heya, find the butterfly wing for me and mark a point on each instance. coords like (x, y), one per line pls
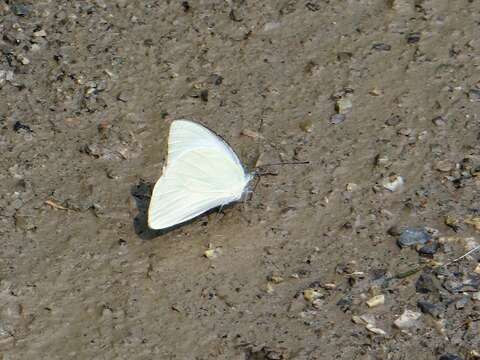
(202, 172)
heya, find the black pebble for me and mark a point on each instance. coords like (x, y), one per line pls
(19, 126)
(429, 249)
(450, 357)
(426, 283)
(413, 38)
(429, 308)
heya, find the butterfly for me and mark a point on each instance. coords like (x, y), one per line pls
(202, 172)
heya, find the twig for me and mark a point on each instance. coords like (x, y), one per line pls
(54, 205)
(464, 255)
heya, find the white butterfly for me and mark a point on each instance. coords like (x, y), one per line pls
(202, 172)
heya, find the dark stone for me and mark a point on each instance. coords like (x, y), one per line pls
(216, 79)
(393, 120)
(450, 357)
(429, 249)
(185, 6)
(312, 7)
(345, 303)
(413, 38)
(426, 283)
(19, 126)
(204, 95)
(474, 95)
(381, 47)
(411, 237)
(20, 9)
(430, 309)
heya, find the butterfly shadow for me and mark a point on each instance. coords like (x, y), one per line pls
(141, 192)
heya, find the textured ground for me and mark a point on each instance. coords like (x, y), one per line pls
(87, 90)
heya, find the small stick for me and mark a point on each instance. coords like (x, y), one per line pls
(54, 205)
(287, 163)
(464, 255)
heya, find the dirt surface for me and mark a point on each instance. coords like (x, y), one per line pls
(373, 93)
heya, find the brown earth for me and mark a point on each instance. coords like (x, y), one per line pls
(87, 90)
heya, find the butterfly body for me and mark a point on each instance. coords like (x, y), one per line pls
(202, 172)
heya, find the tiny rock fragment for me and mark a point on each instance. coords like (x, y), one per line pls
(452, 222)
(393, 120)
(477, 269)
(123, 96)
(393, 182)
(430, 309)
(306, 125)
(357, 320)
(276, 279)
(475, 222)
(375, 92)
(449, 356)
(476, 296)
(351, 187)
(251, 134)
(269, 288)
(337, 119)
(212, 253)
(439, 121)
(376, 301)
(40, 33)
(474, 95)
(23, 59)
(375, 330)
(343, 105)
(381, 47)
(311, 294)
(407, 319)
(444, 166)
(20, 9)
(329, 286)
(413, 38)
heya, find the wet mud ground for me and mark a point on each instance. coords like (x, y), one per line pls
(382, 97)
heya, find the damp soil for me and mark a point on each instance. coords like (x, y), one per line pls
(381, 97)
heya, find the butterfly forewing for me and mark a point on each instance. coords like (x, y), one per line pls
(202, 172)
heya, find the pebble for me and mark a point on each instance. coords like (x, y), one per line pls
(393, 182)
(407, 320)
(375, 330)
(476, 296)
(413, 38)
(311, 294)
(430, 309)
(376, 301)
(450, 357)
(123, 96)
(426, 283)
(477, 269)
(412, 236)
(439, 121)
(20, 9)
(212, 253)
(393, 120)
(306, 125)
(40, 33)
(381, 47)
(444, 166)
(343, 105)
(429, 249)
(337, 119)
(474, 95)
